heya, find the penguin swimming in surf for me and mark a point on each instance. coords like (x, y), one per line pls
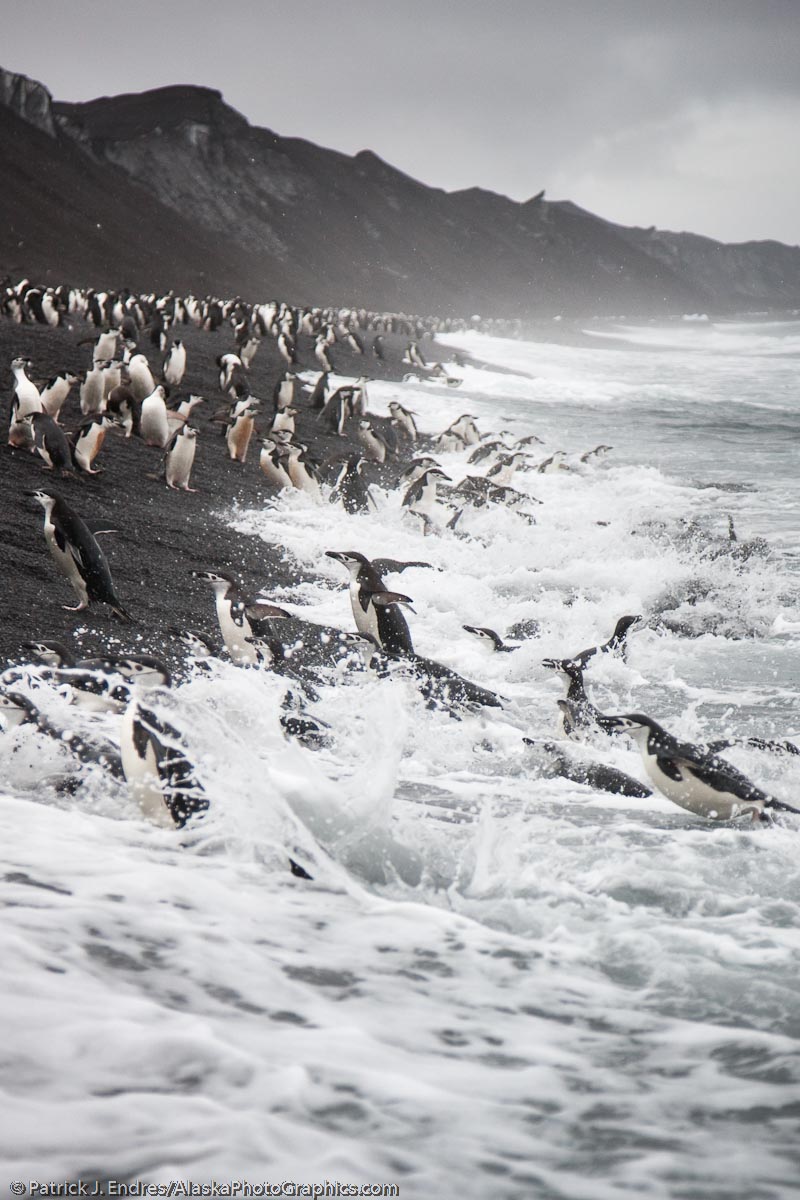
(616, 644)
(421, 498)
(556, 763)
(693, 777)
(239, 617)
(373, 442)
(490, 639)
(161, 777)
(374, 617)
(273, 462)
(18, 709)
(351, 488)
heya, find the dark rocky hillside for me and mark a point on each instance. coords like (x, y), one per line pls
(173, 188)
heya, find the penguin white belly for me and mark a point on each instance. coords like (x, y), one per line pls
(67, 565)
(234, 636)
(53, 399)
(275, 476)
(153, 422)
(238, 438)
(695, 796)
(142, 382)
(28, 398)
(301, 479)
(179, 463)
(88, 447)
(175, 368)
(112, 377)
(141, 773)
(373, 447)
(92, 395)
(366, 622)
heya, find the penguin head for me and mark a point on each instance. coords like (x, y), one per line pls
(197, 643)
(16, 709)
(487, 636)
(624, 624)
(636, 724)
(45, 498)
(49, 654)
(351, 559)
(218, 579)
(143, 669)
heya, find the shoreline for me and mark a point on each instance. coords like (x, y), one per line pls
(163, 535)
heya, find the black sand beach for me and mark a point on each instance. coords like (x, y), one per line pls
(163, 535)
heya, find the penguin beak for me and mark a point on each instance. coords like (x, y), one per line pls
(337, 554)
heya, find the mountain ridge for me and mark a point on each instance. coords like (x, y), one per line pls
(272, 215)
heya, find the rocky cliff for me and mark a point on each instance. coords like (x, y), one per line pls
(248, 211)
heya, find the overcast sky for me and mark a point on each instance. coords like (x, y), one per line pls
(677, 113)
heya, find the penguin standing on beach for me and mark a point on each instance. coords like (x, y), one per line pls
(105, 345)
(77, 554)
(125, 409)
(232, 375)
(285, 391)
(153, 423)
(286, 348)
(319, 393)
(141, 378)
(56, 392)
(174, 366)
(241, 424)
(51, 443)
(87, 441)
(179, 458)
(323, 355)
(25, 401)
(92, 391)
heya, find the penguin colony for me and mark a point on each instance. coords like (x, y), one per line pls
(131, 388)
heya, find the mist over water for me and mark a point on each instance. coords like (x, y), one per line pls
(499, 983)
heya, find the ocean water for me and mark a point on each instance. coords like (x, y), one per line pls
(498, 984)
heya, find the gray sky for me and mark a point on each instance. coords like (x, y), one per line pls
(679, 113)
